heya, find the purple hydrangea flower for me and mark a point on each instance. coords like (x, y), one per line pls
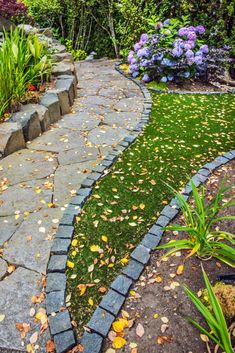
(130, 57)
(183, 32)
(142, 52)
(189, 54)
(137, 46)
(167, 22)
(159, 25)
(190, 44)
(170, 77)
(135, 74)
(191, 29)
(204, 49)
(144, 37)
(200, 29)
(164, 79)
(166, 62)
(191, 35)
(146, 78)
(144, 63)
(133, 68)
(177, 52)
(157, 56)
(198, 60)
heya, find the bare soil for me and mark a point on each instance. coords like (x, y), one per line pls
(193, 86)
(172, 305)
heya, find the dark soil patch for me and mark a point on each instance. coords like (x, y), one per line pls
(193, 86)
(173, 305)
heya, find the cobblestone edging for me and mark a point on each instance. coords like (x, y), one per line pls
(34, 119)
(108, 309)
(60, 324)
(229, 91)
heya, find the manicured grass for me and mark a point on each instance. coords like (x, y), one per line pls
(185, 132)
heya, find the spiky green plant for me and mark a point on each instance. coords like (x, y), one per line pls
(218, 331)
(23, 60)
(199, 218)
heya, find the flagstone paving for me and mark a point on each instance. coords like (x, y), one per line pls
(37, 183)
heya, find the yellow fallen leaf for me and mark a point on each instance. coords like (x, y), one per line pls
(94, 248)
(155, 316)
(180, 269)
(118, 326)
(74, 242)
(142, 206)
(2, 317)
(204, 338)
(82, 288)
(70, 264)
(90, 301)
(124, 260)
(104, 238)
(119, 342)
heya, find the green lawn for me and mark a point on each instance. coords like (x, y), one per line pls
(185, 132)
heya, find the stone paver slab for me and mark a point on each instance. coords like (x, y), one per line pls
(106, 135)
(31, 243)
(57, 140)
(27, 165)
(82, 121)
(8, 226)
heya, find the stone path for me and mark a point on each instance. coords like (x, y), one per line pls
(36, 184)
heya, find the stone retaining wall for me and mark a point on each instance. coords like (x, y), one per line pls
(33, 119)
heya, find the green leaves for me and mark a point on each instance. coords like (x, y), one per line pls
(215, 320)
(199, 218)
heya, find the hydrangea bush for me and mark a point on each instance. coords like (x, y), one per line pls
(172, 52)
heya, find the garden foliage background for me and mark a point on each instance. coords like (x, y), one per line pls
(110, 27)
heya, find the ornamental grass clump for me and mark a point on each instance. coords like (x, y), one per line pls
(174, 51)
(24, 61)
(205, 239)
(218, 331)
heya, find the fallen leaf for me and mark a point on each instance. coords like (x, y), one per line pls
(94, 248)
(164, 320)
(33, 339)
(70, 264)
(180, 270)
(140, 330)
(164, 339)
(2, 317)
(50, 346)
(119, 342)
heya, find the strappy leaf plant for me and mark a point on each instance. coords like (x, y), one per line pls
(204, 238)
(218, 331)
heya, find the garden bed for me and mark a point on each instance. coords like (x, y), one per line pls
(158, 302)
(185, 132)
(187, 85)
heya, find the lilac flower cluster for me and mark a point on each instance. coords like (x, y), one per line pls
(182, 56)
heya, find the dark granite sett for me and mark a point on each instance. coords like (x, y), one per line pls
(64, 341)
(59, 323)
(141, 254)
(156, 230)
(60, 246)
(57, 263)
(55, 301)
(121, 284)
(163, 221)
(112, 302)
(107, 163)
(204, 172)
(229, 155)
(99, 168)
(87, 183)
(65, 232)
(94, 176)
(78, 200)
(84, 192)
(101, 322)
(151, 241)
(130, 139)
(169, 212)
(91, 342)
(56, 281)
(133, 269)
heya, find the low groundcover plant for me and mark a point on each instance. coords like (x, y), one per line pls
(199, 218)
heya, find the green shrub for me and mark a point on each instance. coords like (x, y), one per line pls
(24, 60)
(78, 54)
(199, 220)
(218, 330)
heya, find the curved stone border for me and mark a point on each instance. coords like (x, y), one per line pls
(33, 119)
(229, 91)
(60, 324)
(111, 304)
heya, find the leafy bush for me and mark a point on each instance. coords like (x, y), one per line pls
(78, 54)
(9, 8)
(199, 220)
(174, 51)
(24, 61)
(218, 330)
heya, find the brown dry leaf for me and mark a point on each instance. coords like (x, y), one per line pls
(134, 350)
(50, 346)
(164, 339)
(164, 327)
(140, 330)
(112, 335)
(102, 289)
(23, 328)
